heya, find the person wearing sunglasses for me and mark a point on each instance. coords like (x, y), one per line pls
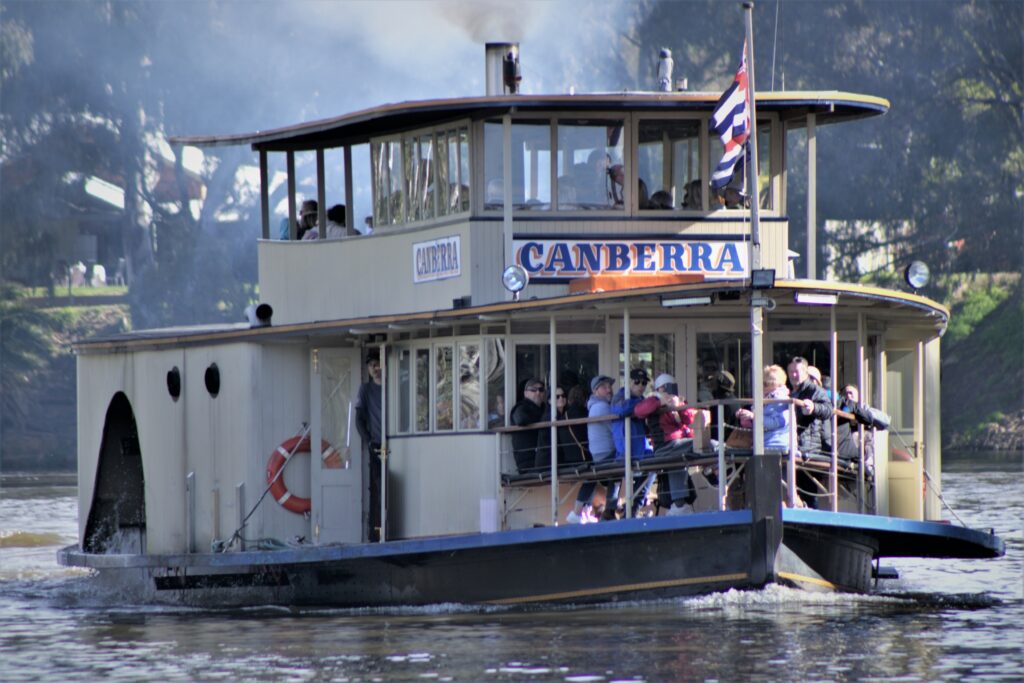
(623, 405)
(531, 448)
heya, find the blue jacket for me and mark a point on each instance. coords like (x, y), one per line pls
(599, 434)
(623, 407)
(776, 424)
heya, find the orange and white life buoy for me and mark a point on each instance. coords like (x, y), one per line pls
(279, 457)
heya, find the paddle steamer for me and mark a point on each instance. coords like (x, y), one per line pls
(196, 482)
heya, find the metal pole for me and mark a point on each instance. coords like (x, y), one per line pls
(628, 426)
(384, 453)
(833, 371)
(350, 204)
(264, 196)
(321, 195)
(292, 228)
(862, 388)
(812, 198)
(552, 416)
(756, 312)
(721, 455)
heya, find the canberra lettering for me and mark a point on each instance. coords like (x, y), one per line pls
(578, 258)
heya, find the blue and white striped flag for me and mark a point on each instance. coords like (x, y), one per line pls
(731, 122)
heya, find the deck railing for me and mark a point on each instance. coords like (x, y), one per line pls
(708, 447)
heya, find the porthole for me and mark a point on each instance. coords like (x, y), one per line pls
(174, 383)
(212, 379)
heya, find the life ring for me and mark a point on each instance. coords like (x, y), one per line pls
(278, 458)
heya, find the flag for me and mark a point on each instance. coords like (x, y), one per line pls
(731, 122)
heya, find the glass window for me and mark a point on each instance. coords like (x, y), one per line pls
(729, 351)
(444, 413)
(404, 390)
(422, 390)
(655, 353)
(463, 167)
(735, 194)
(469, 386)
(441, 186)
(427, 176)
(381, 183)
(495, 359)
(411, 175)
(531, 165)
(668, 175)
(589, 165)
(396, 197)
(577, 364)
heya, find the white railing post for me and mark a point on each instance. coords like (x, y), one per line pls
(791, 461)
(721, 456)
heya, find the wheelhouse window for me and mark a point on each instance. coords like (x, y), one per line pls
(420, 176)
(668, 172)
(531, 166)
(590, 170)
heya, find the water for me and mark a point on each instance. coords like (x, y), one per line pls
(947, 620)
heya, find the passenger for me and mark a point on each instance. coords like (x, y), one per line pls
(571, 448)
(814, 409)
(661, 200)
(848, 433)
(308, 216)
(593, 179)
(669, 424)
(368, 422)
(692, 197)
(617, 177)
(624, 406)
(723, 386)
(733, 198)
(336, 222)
(601, 443)
(776, 415)
(643, 199)
(496, 415)
(531, 447)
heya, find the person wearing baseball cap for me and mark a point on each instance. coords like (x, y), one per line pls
(599, 441)
(669, 423)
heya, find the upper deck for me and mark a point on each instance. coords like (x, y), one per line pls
(444, 194)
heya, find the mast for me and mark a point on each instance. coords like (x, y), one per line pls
(756, 311)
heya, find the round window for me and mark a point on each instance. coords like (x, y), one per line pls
(174, 383)
(212, 379)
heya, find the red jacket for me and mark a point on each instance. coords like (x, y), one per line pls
(668, 426)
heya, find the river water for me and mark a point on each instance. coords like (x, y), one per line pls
(941, 621)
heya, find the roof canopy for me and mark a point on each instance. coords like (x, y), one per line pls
(357, 127)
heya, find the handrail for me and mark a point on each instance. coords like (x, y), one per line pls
(832, 489)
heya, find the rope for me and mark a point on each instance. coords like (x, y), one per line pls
(237, 535)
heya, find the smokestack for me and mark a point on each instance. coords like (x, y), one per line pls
(501, 63)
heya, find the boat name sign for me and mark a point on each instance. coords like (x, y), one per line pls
(563, 259)
(438, 259)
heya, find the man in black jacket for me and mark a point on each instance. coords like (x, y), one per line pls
(531, 447)
(813, 413)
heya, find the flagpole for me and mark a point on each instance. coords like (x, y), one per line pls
(756, 311)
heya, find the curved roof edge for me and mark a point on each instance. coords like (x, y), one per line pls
(240, 332)
(830, 105)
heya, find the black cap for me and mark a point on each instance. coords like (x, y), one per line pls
(639, 375)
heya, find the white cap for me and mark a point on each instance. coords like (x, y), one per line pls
(663, 379)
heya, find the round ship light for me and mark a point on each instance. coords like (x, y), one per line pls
(515, 278)
(917, 274)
